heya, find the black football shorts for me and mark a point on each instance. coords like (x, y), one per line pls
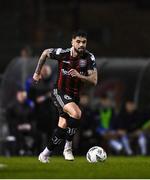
(60, 99)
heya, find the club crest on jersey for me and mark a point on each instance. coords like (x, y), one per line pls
(67, 97)
(82, 62)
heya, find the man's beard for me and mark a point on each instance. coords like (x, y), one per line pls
(79, 52)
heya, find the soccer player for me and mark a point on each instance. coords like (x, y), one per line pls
(75, 66)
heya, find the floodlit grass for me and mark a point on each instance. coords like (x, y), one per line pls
(114, 167)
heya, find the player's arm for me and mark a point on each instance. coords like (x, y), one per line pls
(41, 62)
(52, 53)
(92, 71)
(90, 78)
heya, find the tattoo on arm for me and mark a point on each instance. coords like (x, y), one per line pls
(41, 62)
(91, 78)
(39, 66)
(92, 74)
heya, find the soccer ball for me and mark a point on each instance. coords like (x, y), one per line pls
(96, 154)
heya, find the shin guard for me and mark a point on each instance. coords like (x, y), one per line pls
(71, 130)
(58, 136)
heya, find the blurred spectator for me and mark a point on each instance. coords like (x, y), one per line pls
(116, 139)
(26, 65)
(16, 73)
(21, 124)
(44, 109)
(26, 52)
(133, 121)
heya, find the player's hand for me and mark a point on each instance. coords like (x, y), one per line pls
(40, 99)
(74, 73)
(37, 77)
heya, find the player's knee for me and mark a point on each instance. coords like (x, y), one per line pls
(62, 124)
(76, 114)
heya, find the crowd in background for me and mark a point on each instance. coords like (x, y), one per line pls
(117, 126)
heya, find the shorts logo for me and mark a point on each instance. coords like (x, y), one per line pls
(82, 63)
(67, 97)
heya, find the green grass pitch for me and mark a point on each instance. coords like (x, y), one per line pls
(113, 167)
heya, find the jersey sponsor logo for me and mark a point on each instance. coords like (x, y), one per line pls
(67, 97)
(82, 63)
(67, 62)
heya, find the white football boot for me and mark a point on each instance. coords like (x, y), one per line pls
(68, 155)
(43, 158)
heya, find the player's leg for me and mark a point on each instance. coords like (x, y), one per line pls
(72, 124)
(66, 108)
(57, 137)
(60, 132)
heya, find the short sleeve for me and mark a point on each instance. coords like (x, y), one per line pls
(56, 53)
(92, 62)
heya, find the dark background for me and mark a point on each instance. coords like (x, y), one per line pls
(116, 28)
(118, 36)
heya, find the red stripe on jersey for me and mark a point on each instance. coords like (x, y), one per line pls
(77, 86)
(68, 79)
(60, 76)
(77, 80)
